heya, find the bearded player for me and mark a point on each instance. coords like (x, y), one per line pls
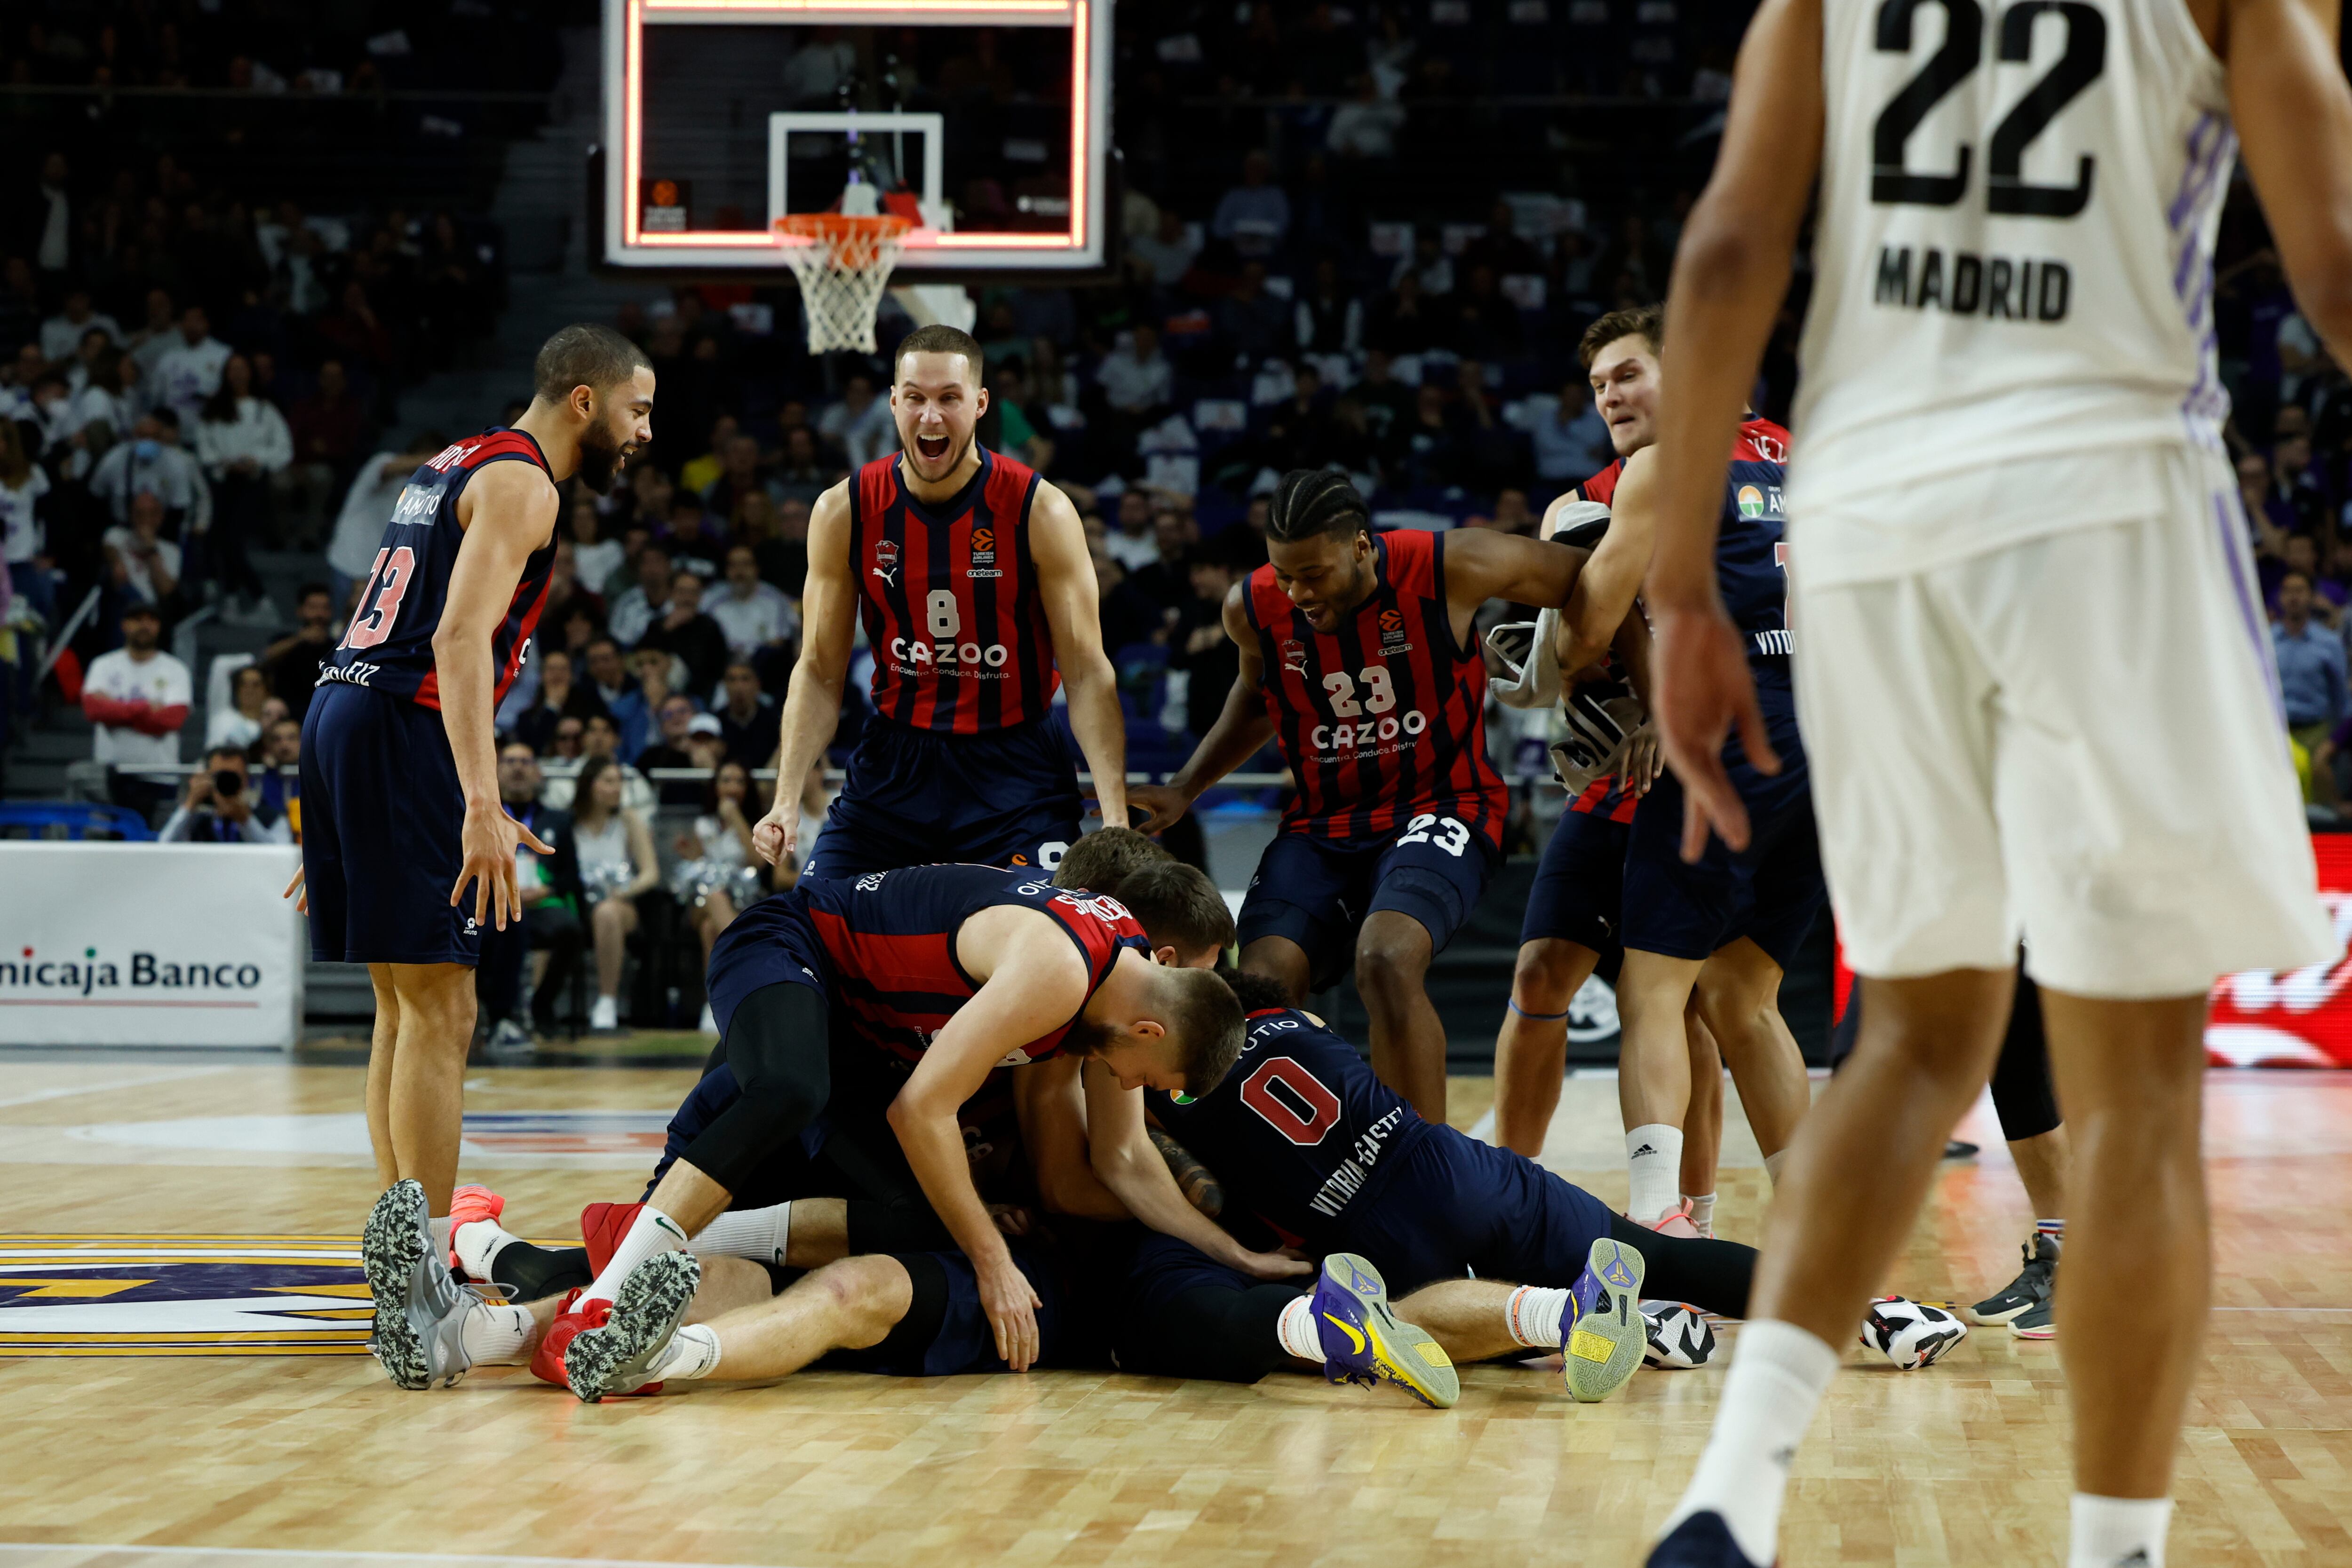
(400, 787)
(1357, 656)
(979, 600)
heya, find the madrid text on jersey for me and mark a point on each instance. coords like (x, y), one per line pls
(1999, 288)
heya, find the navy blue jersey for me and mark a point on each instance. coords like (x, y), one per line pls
(389, 646)
(889, 939)
(1300, 1129)
(1751, 548)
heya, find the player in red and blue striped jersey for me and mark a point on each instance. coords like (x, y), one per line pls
(1357, 657)
(399, 790)
(979, 600)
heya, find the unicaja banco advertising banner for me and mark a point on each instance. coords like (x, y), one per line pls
(2302, 1018)
(148, 944)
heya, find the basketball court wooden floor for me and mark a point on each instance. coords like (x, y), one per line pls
(203, 1210)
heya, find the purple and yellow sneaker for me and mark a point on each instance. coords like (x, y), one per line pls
(1364, 1342)
(1609, 1336)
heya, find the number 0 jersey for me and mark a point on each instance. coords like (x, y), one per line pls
(2013, 264)
(389, 645)
(951, 598)
(1384, 719)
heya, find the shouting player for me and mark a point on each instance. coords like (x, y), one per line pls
(1701, 918)
(401, 809)
(1357, 657)
(2037, 690)
(979, 600)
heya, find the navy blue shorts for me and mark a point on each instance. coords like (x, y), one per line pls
(965, 1341)
(1579, 893)
(1318, 891)
(771, 943)
(1768, 893)
(382, 816)
(916, 797)
(1164, 1268)
(1453, 1206)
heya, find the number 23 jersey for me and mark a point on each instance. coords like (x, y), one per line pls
(1382, 720)
(2013, 261)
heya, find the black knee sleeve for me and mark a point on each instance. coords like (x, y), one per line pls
(776, 1046)
(2022, 1094)
(913, 1334)
(531, 1273)
(1713, 1276)
(895, 1226)
(1212, 1332)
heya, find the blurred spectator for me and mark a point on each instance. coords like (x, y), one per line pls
(784, 555)
(1131, 543)
(1384, 399)
(1128, 618)
(1427, 450)
(550, 889)
(802, 474)
(719, 869)
(1402, 322)
(608, 676)
(860, 427)
(1365, 127)
(1199, 643)
(1165, 254)
(141, 564)
(242, 442)
(1250, 321)
(1501, 248)
(699, 472)
(61, 334)
(559, 697)
(1167, 581)
(240, 723)
(137, 699)
(1329, 319)
(1485, 325)
(593, 557)
(277, 767)
(367, 508)
(2311, 666)
(738, 477)
(23, 482)
(750, 614)
(1135, 377)
(617, 866)
(630, 613)
(748, 725)
(1018, 433)
(1572, 439)
(636, 714)
(686, 631)
(188, 372)
(599, 739)
(292, 662)
(220, 806)
(1255, 216)
(157, 337)
(325, 429)
(153, 462)
(691, 541)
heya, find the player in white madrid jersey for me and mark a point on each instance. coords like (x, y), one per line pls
(2038, 697)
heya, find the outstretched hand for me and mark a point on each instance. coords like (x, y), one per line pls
(1700, 678)
(488, 840)
(1163, 804)
(777, 835)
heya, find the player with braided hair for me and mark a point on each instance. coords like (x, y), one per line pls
(1358, 659)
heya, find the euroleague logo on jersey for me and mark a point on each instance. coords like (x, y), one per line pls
(983, 554)
(1392, 633)
(885, 561)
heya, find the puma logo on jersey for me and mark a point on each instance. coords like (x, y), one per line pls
(885, 561)
(1998, 288)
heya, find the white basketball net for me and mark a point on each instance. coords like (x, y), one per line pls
(842, 264)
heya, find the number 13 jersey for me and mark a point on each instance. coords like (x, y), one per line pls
(1383, 719)
(2013, 261)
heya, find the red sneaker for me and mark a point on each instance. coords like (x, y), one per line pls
(546, 1361)
(468, 1205)
(602, 1227)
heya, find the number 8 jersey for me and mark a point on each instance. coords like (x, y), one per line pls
(2022, 195)
(1384, 719)
(949, 595)
(388, 646)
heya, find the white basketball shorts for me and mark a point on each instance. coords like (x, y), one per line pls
(2075, 740)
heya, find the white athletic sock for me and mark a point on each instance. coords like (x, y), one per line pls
(1772, 1163)
(1534, 1316)
(759, 1234)
(1295, 1328)
(1654, 1163)
(692, 1352)
(495, 1335)
(439, 1225)
(2119, 1532)
(651, 1234)
(1779, 1372)
(1702, 1211)
(478, 1243)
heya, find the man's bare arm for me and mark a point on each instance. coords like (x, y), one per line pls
(1066, 581)
(812, 704)
(1605, 591)
(1129, 1165)
(1480, 566)
(1242, 727)
(1052, 1109)
(2294, 112)
(508, 511)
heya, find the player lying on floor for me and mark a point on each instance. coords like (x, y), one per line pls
(935, 976)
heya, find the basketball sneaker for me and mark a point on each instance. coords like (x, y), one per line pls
(470, 1205)
(420, 1308)
(603, 1227)
(1675, 1222)
(1609, 1336)
(2036, 1321)
(546, 1361)
(614, 1351)
(1365, 1343)
(2030, 1289)
(1702, 1540)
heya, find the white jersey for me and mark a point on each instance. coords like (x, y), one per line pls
(2013, 269)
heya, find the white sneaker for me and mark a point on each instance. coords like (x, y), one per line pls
(709, 1024)
(605, 1014)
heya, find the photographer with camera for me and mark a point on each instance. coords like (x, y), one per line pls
(220, 806)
